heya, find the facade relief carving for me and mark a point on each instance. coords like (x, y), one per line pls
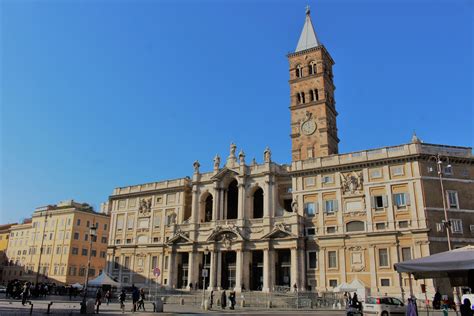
(352, 182)
(145, 206)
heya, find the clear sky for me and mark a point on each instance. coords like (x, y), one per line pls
(101, 94)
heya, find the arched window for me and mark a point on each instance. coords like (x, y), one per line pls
(298, 97)
(355, 226)
(232, 200)
(311, 95)
(312, 68)
(302, 98)
(208, 208)
(316, 94)
(299, 71)
(258, 203)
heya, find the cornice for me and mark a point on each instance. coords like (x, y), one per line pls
(150, 192)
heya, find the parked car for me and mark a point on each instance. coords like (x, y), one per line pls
(384, 306)
(3, 289)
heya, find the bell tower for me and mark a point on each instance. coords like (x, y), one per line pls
(313, 109)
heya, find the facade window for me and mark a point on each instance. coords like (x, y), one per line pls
(127, 263)
(156, 219)
(129, 241)
(94, 253)
(116, 262)
(312, 68)
(312, 260)
(383, 257)
(104, 240)
(74, 251)
(448, 170)
(398, 171)
(78, 222)
(105, 226)
(76, 236)
(384, 282)
(376, 173)
(84, 251)
(379, 202)
(310, 231)
(355, 226)
(298, 71)
(453, 199)
(379, 226)
(166, 262)
(406, 253)
(456, 226)
(332, 283)
(58, 250)
(403, 224)
(88, 224)
(310, 209)
(156, 239)
(330, 206)
(86, 237)
(94, 238)
(332, 259)
(118, 241)
(103, 254)
(401, 200)
(154, 262)
(327, 179)
(119, 222)
(331, 230)
(130, 222)
(82, 271)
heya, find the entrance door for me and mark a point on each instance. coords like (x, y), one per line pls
(228, 269)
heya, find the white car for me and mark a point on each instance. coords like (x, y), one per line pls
(384, 306)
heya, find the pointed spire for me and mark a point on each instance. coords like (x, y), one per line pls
(308, 38)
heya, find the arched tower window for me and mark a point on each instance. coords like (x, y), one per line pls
(232, 200)
(302, 98)
(299, 71)
(311, 95)
(316, 95)
(312, 68)
(208, 208)
(258, 203)
(298, 98)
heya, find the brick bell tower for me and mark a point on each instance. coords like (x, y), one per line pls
(313, 109)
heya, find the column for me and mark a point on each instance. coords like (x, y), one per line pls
(342, 264)
(219, 269)
(195, 216)
(266, 197)
(215, 203)
(222, 199)
(294, 269)
(212, 274)
(238, 270)
(266, 270)
(301, 272)
(171, 272)
(373, 270)
(241, 205)
(190, 270)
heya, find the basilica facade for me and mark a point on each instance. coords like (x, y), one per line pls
(325, 219)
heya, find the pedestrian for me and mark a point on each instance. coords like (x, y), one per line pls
(211, 299)
(108, 297)
(232, 299)
(24, 294)
(437, 300)
(466, 308)
(411, 308)
(98, 298)
(122, 300)
(223, 300)
(135, 297)
(141, 300)
(190, 286)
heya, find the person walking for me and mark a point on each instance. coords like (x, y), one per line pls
(24, 294)
(232, 299)
(223, 299)
(211, 299)
(141, 301)
(122, 301)
(108, 296)
(135, 297)
(98, 299)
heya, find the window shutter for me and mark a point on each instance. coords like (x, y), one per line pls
(407, 198)
(372, 201)
(394, 199)
(385, 200)
(324, 206)
(336, 208)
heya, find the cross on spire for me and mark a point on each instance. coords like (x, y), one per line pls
(308, 11)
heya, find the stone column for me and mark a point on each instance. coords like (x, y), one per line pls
(195, 215)
(302, 271)
(241, 205)
(222, 200)
(238, 270)
(219, 269)
(215, 204)
(266, 270)
(171, 270)
(266, 197)
(190, 270)
(212, 274)
(294, 269)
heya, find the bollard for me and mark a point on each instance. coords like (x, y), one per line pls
(206, 305)
(158, 306)
(269, 304)
(49, 307)
(242, 303)
(181, 301)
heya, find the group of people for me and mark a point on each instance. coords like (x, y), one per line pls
(16, 288)
(223, 300)
(352, 302)
(138, 299)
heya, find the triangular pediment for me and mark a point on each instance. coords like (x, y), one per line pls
(279, 231)
(223, 173)
(179, 238)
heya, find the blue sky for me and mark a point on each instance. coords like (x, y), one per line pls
(101, 94)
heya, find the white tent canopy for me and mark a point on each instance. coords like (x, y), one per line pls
(443, 264)
(77, 286)
(103, 279)
(355, 286)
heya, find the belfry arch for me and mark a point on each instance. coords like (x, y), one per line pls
(257, 203)
(232, 200)
(206, 207)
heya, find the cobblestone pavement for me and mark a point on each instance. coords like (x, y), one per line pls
(65, 307)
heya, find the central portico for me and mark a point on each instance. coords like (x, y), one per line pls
(242, 217)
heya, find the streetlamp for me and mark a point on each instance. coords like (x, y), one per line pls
(92, 234)
(206, 253)
(45, 214)
(439, 166)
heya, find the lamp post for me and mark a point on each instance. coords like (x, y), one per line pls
(206, 253)
(92, 234)
(45, 214)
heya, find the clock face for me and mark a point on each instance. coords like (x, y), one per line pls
(308, 127)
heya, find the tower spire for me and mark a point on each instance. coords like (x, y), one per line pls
(308, 38)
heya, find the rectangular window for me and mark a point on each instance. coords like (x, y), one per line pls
(379, 226)
(103, 254)
(93, 253)
(84, 251)
(406, 253)
(120, 222)
(86, 237)
(397, 171)
(384, 282)
(403, 224)
(116, 262)
(156, 219)
(104, 240)
(312, 260)
(456, 226)
(453, 199)
(330, 206)
(78, 222)
(309, 181)
(400, 199)
(127, 263)
(166, 263)
(448, 170)
(74, 251)
(383, 257)
(58, 250)
(327, 179)
(82, 271)
(156, 239)
(118, 241)
(310, 231)
(130, 221)
(376, 173)
(331, 229)
(332, 259)
(440, 227)
(154, 262)
(105, 227)
(309, 209)
(379, 202)
(88, 224)
(129, 241)
(332, 283)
